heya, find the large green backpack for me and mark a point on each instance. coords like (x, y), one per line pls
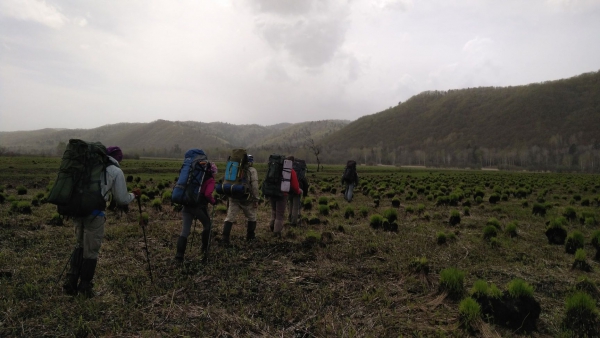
(271, 186)
(77, 190)
(236, 182)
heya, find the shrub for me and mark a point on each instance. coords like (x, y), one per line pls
(511, 229)
(494, 222)
(363, 211)
(349, 212)
(441, 237)
(21, 190)
(570, 214)
(454, 217)
(376, 221)
(490, 231)
(494, 198)
(452, 281)
(575, 241)
(469, 311)
(323, 209)
(518, 288)
(581, 315)
(390, 214)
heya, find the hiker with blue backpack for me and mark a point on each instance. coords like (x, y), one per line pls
(199, 212)
(89, 175)
(240, 185)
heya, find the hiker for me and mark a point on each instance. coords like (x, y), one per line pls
(278, 204)
(294, 200)
(247, 203)
(200, 212)
(89, 230)
(349, 179)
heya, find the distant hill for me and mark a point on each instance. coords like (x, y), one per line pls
(171, 139)
(554, 125)
(551, 124)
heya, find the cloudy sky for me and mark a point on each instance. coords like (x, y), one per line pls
(84, 64)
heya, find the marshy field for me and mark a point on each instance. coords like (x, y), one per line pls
(417, 253)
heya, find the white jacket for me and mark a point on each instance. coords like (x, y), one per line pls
(115, 184)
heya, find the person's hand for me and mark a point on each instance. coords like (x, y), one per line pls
(137, 193)
(301, 192)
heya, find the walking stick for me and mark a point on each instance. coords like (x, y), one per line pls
(212, 217)
(143, 224)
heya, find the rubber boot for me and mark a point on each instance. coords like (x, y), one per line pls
(70, 287)
(226, 232)
(250, 233)
(181, 245)
(88, 268)
(205, 240)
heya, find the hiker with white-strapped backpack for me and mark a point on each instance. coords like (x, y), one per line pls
(240, 186)
(295, 200)
(89, 174)
(349, 179)
(281, 179)
(194, 190)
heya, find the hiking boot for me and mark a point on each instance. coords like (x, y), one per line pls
(277, 234)
(226, 232)
(272, 225)
(205, 241)
(88, 269)
(70, 287)
(250, 233)
(181, 245)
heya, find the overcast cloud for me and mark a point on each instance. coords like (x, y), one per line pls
(84, 64)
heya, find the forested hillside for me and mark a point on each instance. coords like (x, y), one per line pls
(552, 125)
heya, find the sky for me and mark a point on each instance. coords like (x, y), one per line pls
(84, 64)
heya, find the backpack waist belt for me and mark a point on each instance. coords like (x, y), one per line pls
(97, 213)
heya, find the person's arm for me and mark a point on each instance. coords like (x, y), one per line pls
(255, 194)
(294, 186)
(208, 190)
(119, 187)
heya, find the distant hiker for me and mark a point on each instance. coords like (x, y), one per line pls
(294, 200)
(105, 173)
(281, 179)
(241, 188)
(198, 211)
(349, 179)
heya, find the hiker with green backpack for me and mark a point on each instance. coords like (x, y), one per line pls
(88, 176)
(349, 179)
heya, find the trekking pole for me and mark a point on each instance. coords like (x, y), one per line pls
(143, 224)
(212, 217)
(65, 268)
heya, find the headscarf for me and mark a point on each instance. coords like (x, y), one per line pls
(115, 152)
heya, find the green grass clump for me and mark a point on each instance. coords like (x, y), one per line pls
(222, 209)
(480, 288)
(580, 303)
(469, 311)
(494, 221)
(166, 196)
(324, 209)
(390, 214)
(157, 204)
(349, 212)
(570, 214)
(420, 265)
(452, 281)
(441, 237)
(596, 239)
(490, 231)
(21, 190)
(308, 203)
(581, 317)
(511, 229)
(363, 211)
(519, 288)
(376, 221)
(323, 200)
(575, 241)
(580, 255)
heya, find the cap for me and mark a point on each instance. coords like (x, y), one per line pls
(115, 152)
(250, 159)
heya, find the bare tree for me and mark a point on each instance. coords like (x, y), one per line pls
(309, 142)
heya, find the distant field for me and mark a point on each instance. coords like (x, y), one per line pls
(376, 267)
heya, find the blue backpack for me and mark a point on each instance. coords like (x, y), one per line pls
(187, 190)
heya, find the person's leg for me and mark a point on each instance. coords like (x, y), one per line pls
(76, 260)
(295, 208)
(93, 233)
(349, 191)
(273, 202)
(279, 214)
(250, 213)
(187, 219)
(202, 215)
(228, 224)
